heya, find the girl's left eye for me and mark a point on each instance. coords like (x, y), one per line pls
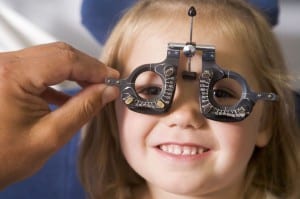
(149, 92)
(225, 97)
(222, 93)
(227, 92)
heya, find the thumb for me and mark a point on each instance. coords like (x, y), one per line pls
(83, 106)
(109, 94)
(77, 111)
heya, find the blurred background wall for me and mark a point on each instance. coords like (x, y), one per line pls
(288, 32)
(60, 20)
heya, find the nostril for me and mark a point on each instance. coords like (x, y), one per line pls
(184, 118)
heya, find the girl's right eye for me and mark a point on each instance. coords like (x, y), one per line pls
(149, 91)
(148, 85)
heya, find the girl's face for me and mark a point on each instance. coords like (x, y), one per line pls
(181, 153)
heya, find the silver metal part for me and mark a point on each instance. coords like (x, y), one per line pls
(189, 50)
(180, 46)
(112, 82)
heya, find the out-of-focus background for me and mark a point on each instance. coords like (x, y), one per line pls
(59, 20)
(27, 22)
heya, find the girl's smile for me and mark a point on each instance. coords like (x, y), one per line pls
(182, 152)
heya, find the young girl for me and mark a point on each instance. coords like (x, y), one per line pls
(183, 153)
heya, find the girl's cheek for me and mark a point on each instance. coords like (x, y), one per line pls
(235, 136)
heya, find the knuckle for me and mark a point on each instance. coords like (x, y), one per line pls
(62, 45)
(5, 70)
(67, 51)
(6, 73)
(87, 109)
(7, 64)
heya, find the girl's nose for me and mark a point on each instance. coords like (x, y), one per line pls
(185, 111)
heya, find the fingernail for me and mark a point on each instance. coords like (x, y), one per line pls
(113, 73)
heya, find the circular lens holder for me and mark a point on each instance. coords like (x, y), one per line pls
(166, 70)
(211, 74)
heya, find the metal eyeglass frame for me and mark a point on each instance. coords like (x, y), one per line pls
(210, 75)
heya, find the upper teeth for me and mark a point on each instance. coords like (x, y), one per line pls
(182, 150)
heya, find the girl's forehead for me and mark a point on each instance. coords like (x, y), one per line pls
(150, 46)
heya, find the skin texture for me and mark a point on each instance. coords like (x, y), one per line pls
(29, 131)
(217, 173)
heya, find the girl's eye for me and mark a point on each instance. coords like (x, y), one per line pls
(222, 93)
(225, 97)
(149, 92)
(148, 85)
(227, 92)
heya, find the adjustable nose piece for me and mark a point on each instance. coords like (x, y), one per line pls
(189, 49)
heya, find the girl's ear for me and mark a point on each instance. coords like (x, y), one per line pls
(263, 137)
(265, 133)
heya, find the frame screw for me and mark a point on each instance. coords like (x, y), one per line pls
(129, 100)
(206, 74)
(169, 71)
(160, 104)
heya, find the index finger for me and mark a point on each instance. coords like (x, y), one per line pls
(51, 64)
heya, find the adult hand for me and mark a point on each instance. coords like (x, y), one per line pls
(29, 131)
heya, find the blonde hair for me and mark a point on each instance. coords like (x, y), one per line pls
(272, 169)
